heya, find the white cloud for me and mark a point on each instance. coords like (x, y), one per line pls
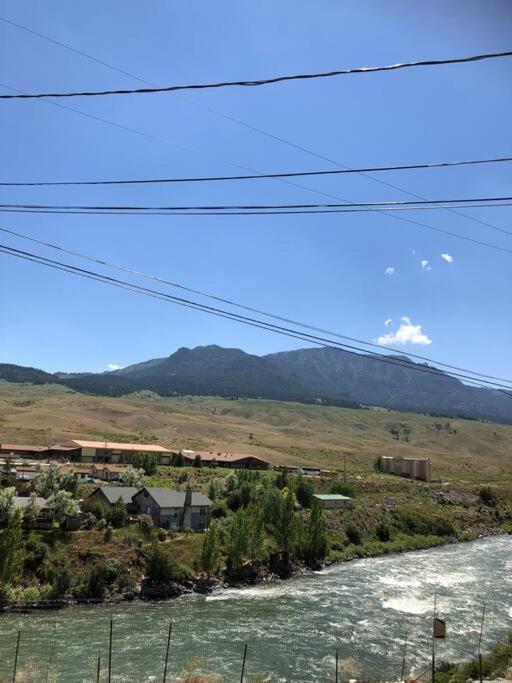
(447, 258)
(389, 270)
(424, 265)
(407, 333)
(388, 322)
(114, 366)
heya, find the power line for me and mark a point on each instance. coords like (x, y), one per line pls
(244, 319)
(132, 271)
(261, 176)
(263, 207)
(249, 126)
(387, 212)
(263, 81)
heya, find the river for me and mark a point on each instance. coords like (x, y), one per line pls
(292, 628)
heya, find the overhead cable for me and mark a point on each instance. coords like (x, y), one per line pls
(230, 302)
(319, 341)
(263, 81)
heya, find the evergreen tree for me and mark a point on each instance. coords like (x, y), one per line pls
(210, 554)
(197, 461)
(11, 547)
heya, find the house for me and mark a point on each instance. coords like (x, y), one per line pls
(44, 515)
(109, 495)
(114, 452)
(334, 501)
(24, 450)
(235, 460)
(174, 509)
(107, 472)
(412, 468)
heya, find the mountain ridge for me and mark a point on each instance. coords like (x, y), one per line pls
(323, 375)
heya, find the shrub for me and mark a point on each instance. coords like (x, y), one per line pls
(163, 568)
(146, 525)
(353, 535)
(89, 521)
(162, 535)
(118, 516)
(197, 461)
(219, 509)
(383, 532)
(488, 496)
(109, 534)
(342, 489)
(36, 553)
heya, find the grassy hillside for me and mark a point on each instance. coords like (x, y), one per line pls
(282, 432)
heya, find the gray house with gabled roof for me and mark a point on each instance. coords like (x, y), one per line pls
(174, 509)
(109, 495)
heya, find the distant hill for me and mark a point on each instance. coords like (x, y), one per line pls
(325, 375)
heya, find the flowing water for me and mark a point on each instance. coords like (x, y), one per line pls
(292, 628)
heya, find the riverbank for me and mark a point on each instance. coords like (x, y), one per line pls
(292, 628)
(254, 576)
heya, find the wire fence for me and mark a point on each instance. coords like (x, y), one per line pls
(114, 648)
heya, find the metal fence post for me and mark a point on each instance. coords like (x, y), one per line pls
(16, 657)
(110, 650)
(98, 669)
(243, 664)
(337, 659)
(167, 651)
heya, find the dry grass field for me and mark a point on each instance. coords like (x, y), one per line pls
(285, 433)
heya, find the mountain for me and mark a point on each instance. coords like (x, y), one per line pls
(397, 386)
(213, 370)
(333, 376)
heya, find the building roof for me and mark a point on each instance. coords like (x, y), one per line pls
(114, 445)
(113, 493)
(209, 456)
(169, 498)
(331, 496)
(23, 501)
(23, 447)
(110, 468)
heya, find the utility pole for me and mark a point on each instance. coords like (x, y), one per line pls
(480, 645)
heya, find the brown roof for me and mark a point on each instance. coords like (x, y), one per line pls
(111, 445)
(110, 468)
(22, 447)
(209, 456)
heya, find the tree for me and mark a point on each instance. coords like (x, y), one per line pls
(215, 488)
(7, 501)
(178, 460)
(377, 465)
(256, 533)
(285, 530)
(11, 547)
(271, 503)
(304, 491)
(197, 461)
(146, 462)
(342, 489)
(236, 541)
(31, 509)
(210, 553)
(383, 532)
(48, 483)
(134, 477)
(316, 539)
(64, 506)
(118, 515)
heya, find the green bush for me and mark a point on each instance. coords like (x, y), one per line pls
(383, 532)
(163, 568)
(304, 491)
(342, 489)
(219, 509)
(36, 552)
(488, 496)
(353, 535)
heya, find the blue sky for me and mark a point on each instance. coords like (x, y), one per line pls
(329, 270)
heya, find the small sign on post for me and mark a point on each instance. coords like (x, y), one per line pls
(439, 628)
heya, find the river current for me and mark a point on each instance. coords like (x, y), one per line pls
(372, 611)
